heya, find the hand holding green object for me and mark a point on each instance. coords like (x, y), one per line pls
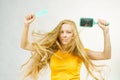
(88, 22)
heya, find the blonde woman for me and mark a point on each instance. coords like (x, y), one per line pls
(63, 50)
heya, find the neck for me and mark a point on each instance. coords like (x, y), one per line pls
(64, 48)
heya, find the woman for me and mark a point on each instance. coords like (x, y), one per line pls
(63, 50)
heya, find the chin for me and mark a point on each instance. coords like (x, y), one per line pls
(64, 44)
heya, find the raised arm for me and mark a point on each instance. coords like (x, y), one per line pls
(25, 44)
(106, 53)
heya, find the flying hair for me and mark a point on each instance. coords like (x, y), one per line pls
(47, 44)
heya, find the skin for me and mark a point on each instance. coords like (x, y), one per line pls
(66, 34)
(65, 37)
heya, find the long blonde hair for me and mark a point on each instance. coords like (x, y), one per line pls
(46, 46)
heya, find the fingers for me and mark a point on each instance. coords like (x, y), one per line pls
(29, 18)
(103, 22)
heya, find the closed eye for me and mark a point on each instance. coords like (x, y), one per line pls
(69, 32)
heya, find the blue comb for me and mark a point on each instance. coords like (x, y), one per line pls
(42, 12)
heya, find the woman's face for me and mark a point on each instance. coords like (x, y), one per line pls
(66, 34)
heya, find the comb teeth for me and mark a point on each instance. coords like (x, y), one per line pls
(42, 12)
(86, 22)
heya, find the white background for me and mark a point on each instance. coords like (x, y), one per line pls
(13, 12)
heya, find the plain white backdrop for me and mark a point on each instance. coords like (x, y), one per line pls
(12, 15)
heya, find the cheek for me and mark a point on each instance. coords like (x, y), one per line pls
(60, 36)
(71, 36)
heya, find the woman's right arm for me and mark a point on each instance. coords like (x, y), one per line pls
(25, 44)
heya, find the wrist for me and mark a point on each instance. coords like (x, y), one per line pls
(106, 30)
(26, 24)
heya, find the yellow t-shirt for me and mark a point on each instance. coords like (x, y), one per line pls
(65, 66)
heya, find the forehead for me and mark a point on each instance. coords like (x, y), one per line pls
(66, 27)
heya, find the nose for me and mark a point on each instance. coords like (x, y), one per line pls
(64, 34)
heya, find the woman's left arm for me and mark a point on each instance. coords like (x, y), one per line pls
(106, 53)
